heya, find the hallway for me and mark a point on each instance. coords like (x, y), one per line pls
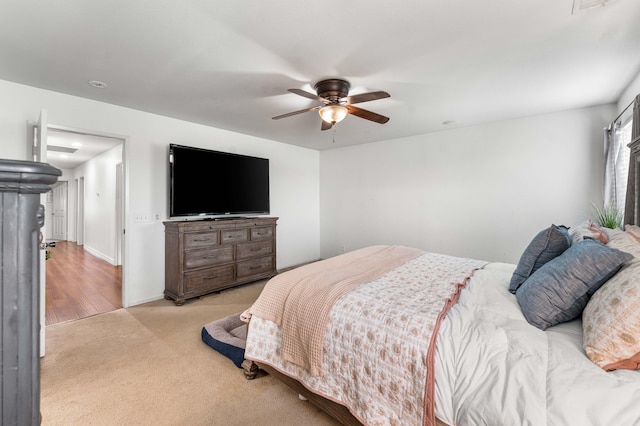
(79, 284)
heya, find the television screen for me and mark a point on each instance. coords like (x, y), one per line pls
(203, 182)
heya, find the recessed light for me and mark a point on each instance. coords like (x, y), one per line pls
(78, 144)
(97, 84)
(61, 149)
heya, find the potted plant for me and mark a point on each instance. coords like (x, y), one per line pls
(608, 217)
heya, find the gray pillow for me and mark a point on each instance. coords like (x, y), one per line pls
(548, 244)
(560, 289)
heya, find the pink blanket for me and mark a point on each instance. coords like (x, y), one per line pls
(289, 299)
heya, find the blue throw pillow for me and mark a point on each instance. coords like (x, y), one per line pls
(548, 244)
(560, 289)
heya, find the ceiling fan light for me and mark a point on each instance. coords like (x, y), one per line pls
(333, 113)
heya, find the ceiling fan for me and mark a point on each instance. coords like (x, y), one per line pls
(333, 93)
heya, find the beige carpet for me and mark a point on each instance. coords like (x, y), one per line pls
(147, 365)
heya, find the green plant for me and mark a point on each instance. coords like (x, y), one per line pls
(608, 217)
(47, 254)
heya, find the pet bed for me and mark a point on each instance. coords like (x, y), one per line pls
(227, 336)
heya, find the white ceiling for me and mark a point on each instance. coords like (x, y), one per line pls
(228, 64)
(68, 150)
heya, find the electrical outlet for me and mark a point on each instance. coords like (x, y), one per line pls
(342, 249)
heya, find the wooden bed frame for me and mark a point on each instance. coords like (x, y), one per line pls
(335, 410)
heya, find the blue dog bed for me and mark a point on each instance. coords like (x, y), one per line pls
(228, 336)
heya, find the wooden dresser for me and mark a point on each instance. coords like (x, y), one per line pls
(203, 256)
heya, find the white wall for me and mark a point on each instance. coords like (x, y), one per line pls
(100, 203)
(294, 175)
(481, 192)
(630, 93)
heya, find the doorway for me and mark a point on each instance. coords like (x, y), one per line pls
(58, 211)
(84, 270)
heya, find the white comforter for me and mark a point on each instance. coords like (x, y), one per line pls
(493, 368)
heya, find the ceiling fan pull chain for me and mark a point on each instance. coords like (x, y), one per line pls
(334, 134)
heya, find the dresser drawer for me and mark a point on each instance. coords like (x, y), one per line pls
(205, 280)
(249, 250)
(207, 256)
(255, 267)
(261, 233)
(196, 240)
(233, 236)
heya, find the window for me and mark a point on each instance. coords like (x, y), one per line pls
(622, 166)
(617, 164)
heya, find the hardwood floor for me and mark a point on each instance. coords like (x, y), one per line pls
(80, 284)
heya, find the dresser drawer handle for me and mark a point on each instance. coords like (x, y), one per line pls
(210, 277)
(209, 257)
(256, 249)
(261, 233)
(199, 240)
(253, 268)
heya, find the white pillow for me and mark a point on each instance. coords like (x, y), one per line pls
(611, 319)
(634, 230)
(588, 229)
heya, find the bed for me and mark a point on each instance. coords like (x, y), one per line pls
(392, 335)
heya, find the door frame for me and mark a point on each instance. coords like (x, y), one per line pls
(123, 210)
(119, 213)
(79, 210)
(37, 150)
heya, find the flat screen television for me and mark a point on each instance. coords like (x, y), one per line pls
(216, 184)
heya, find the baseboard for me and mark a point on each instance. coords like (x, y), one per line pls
(142, 302)
(100, 255)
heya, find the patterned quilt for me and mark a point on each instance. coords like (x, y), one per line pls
(377, 351)
(291, 298)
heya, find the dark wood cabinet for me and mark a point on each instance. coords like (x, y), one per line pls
(203, 256)
(632, 206)
(21, 217)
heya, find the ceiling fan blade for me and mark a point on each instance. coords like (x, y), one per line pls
(366, 97)
(289, 114)
(325, 125)
(309, 95)
(367, 115)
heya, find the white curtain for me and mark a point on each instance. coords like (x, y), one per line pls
(616, 164)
